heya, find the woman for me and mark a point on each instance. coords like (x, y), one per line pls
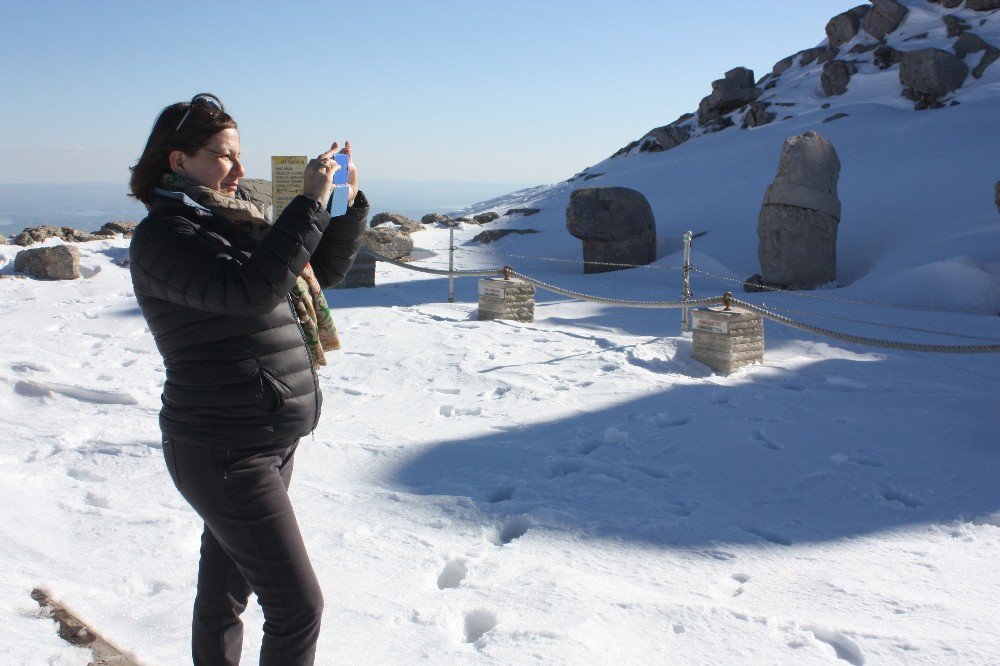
(237, 311)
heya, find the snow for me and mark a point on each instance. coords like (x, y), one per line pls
(577, 489)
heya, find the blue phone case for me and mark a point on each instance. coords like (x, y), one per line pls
(338, 202)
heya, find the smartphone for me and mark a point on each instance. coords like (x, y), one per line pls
(341, 193)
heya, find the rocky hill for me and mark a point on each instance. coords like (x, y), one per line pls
(907, 91)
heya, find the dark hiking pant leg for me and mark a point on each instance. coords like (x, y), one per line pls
(216, 629)
(242, 496)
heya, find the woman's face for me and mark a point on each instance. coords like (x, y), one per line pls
(215, 165)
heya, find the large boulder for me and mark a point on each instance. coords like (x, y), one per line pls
(884, 17)
(616, 226)
(836, 75)
(387, 242)
(797, 226)
(843, 27)
(982, 5)
(932, 72)
(59, 262)
(729, 93)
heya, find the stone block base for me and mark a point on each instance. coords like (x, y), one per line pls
(362, 273)
(506, 299)
(725, 340)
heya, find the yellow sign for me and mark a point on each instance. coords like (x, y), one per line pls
(286, 180)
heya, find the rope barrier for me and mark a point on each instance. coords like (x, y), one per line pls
(876, 323)
(773, 316)
(585, 262)
(803, 294)
(861, 340)
(435, 271)
(616, 301)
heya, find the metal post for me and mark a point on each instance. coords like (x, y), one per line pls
(686, 284)
(451, 263)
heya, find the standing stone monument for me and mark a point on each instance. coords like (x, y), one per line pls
(797, 226)
(725, 340)
(506, 299)
(615, 224)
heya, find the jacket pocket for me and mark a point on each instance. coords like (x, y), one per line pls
(272, 391)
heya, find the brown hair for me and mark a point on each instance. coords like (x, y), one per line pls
(196, 131)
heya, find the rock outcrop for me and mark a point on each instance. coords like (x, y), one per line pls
(843, 27)
(797, 226)
(836, 75)
(485, 218)
(758, 115)
(616, 226)
(728, 94)
(387, 242)
(496, 234)
(884, 17)
(929, 74)
(59, 262)
(435, 218)
(115, 227)
(404, 223)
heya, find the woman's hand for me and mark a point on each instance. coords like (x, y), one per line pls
(317, 181)
(318, 177)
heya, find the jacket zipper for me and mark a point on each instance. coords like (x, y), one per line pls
(312, 368)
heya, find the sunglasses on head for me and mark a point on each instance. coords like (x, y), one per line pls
(207, 103)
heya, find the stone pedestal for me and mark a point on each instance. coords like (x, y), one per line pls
(506, 299)
(725, 340)
(362, 273)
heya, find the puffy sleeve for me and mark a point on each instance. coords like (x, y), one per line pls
(171, 260)
(340, 243)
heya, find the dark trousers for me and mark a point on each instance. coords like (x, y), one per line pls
(251, 542)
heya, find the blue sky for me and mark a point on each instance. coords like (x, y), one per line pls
(514, 91)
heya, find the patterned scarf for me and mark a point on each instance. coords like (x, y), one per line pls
(307, 295)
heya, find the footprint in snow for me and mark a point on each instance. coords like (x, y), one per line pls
(85, 475)
(904, 497)
(843, 646)
(478, 623)
(452, 575)
(501, 494)
(515, 528)
(760, 438)
(769, 535)
(449, 411)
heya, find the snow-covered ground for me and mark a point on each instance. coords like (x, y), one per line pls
(573, 490)
(578, 489)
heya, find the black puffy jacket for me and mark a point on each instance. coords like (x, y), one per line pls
(238, 372)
